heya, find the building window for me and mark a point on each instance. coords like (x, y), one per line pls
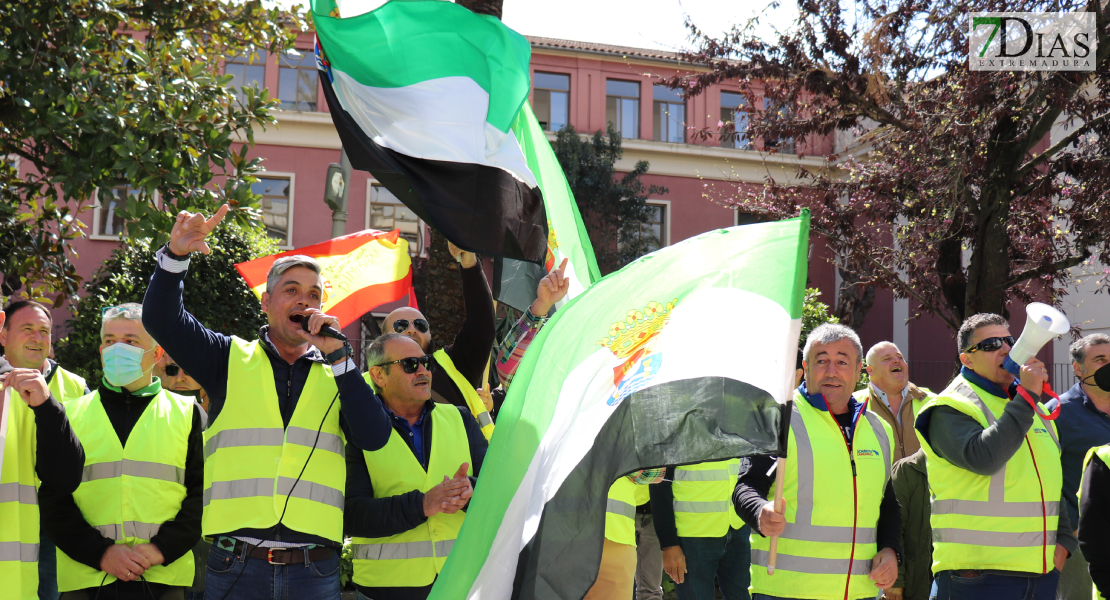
(734, 112)
(246, 71)
(385, 212)
(784, 145)
(622, 106)
(551, 92)
(656, 231)
(297, 81)
(108, 220)
(668, 115)
(277, 206)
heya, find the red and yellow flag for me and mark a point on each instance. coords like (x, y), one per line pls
(361, 271)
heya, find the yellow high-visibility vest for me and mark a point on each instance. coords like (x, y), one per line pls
(19, 507)
(832, 508)
(620, 512)
(65, 385)
(473, 400)
(415, 557)
(252, 460)
(703, 498)
(127, 493)
(1103, 453)
(1005, 521)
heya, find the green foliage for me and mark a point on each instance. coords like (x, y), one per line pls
(214, 293)
(96, 95)
(814, 313)
(346, 563)
(613, 208)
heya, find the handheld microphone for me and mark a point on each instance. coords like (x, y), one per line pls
(326, 330)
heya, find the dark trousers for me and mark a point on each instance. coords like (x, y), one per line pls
(725, 559)
(48, 569)
(253, 579)
(977, 585)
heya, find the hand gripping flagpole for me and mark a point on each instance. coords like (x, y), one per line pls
(780, 476)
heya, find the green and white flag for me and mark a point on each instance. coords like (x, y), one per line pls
(684, 356)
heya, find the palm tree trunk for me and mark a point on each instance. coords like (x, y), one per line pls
(482, 7)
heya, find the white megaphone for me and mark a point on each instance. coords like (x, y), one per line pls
(1041, 325)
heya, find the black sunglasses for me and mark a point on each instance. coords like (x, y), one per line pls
(991, 344)
(411, 363)
(400, 325)
(173, 370)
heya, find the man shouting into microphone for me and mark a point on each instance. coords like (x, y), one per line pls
(281, 408)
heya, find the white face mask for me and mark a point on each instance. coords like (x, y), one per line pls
(123, 363)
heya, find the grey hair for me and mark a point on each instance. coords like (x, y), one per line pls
(285, 263)
(828, 333)
(875, 348)
(1078, 348)
(375, 354)
(973, 323)
(132, 311)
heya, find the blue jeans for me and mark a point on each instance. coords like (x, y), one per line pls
(48, 569)
(727, 559)
(989, 586)
(255, 579)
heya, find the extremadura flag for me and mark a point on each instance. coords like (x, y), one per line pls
(424, 95)
(684, 356)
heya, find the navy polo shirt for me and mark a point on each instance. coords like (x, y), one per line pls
(1081, 427)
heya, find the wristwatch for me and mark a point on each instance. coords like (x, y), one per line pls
(341, 353)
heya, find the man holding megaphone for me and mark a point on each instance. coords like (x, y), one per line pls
(999, 528)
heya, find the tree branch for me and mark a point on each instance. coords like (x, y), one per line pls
(1060, 145)
(1067, 263)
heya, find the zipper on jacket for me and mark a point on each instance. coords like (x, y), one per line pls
(1044, 513)
(855, 497)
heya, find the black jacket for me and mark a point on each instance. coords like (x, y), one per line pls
(67, 527)
(368, 516)
(1094, 523)
(471, 349)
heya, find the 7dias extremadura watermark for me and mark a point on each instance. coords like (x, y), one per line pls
(1032, 41)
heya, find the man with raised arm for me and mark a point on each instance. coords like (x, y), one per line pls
(281, 408)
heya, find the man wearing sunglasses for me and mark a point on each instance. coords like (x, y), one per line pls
(405, 502)
(176, 380)
(462, 363)
(1000, 529)
(281, 409)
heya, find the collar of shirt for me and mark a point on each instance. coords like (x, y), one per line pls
(883, 395)
(150, 390)
(312, 352)
(988, 386)
(405, 422)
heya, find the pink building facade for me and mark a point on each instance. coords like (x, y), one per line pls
(585, 85)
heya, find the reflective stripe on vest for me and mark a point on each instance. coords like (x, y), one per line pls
(19, 510)
(821, 555)
(703, 498)
(974, 524)
(473, 400)
(620, 512)
(415, 557)
(252, 459)
(124, 498)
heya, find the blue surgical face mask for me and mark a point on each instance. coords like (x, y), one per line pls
(123, 363)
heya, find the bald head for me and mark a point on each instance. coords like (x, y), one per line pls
(413, 321)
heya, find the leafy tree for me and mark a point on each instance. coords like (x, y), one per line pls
(103, 94)
(217, 295)
(814, 313)
(613, 208)
(946, 162)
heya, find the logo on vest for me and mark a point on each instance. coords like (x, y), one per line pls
(1040, 431)
(867, 453)
(633, 340)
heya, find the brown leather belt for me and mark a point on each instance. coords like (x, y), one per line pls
(286, 556)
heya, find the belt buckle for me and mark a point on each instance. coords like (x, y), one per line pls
(270, 555)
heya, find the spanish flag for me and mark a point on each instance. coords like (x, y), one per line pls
(361, 271)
